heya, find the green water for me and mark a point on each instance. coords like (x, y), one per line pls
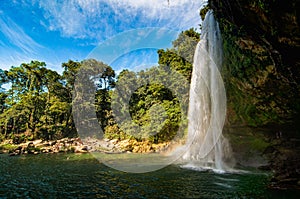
(81, 176)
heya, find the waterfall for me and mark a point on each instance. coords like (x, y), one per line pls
(206, 148)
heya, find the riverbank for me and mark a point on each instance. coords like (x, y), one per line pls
(76, 145)
(41, 146)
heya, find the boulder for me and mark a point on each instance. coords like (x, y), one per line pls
(81, 149)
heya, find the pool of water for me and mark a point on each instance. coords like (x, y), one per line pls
(82, 176)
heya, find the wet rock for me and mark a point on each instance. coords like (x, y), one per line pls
(90, 145)
(37, 142)
(51, 143)
(81, 149)
(84, 148)
(13, 154)
(17, 152)
(114, 141)
(30, 145)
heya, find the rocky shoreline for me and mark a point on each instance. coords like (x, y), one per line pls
(41, 146)
(77, 145)
(123, 146)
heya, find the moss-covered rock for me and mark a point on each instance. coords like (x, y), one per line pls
(261, 42)
(261, 60)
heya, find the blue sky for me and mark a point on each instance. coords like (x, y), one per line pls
(55, 31)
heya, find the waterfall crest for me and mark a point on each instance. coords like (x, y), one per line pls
(206, 147)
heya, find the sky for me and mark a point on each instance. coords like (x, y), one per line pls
(122, 33)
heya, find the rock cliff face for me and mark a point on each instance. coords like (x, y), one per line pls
(261, 41)
(262, 62)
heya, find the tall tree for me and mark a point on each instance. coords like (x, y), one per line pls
(180, 57)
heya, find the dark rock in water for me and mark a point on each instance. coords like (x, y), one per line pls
(13, 154)
(19, 148)
(17, 152)
(31, 151)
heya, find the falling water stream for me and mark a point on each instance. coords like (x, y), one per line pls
(208, 149)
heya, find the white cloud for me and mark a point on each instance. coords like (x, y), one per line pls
(99, 19)
(12, 59)
(16, 46)
(16, 37)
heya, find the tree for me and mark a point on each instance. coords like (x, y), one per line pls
(155, 113)
(180, 57)
(24, 101)
(37, 103)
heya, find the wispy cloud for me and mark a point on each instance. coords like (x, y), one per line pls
(15, 45)
(16, 37)
(9, 58)
(99, 19)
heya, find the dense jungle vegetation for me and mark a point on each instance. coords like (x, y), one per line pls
(36, 102)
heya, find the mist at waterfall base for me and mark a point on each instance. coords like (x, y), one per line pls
(206, 147)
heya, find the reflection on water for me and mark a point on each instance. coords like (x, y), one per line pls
(81, 176)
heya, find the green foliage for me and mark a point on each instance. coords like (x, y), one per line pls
(252, 81)
(95, 80)
(70, 70)
(180, 57)
(203, 11)
(262, 67)
(8, 147)
(38, 105)
(155, 112)
(3, 97)
(155, 102)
